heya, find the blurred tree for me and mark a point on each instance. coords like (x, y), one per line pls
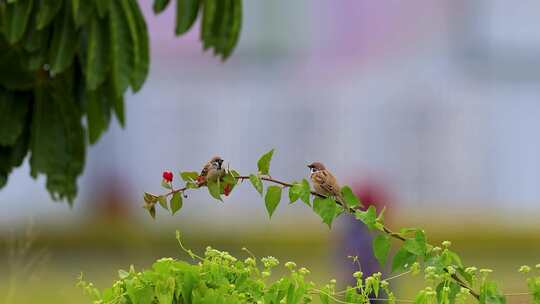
(65, 61)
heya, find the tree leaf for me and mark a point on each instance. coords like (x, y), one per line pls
(368, 217)
(257, 183)
(57, 139)
(306, 192)
(163, 202)
(189, 176)
(272, 198)
(349, 197)
(176, 202)
(160, 5)
(186, 14)
(141, 49)
(416, 246)
(234, 26)
(326, 208)
(214, 189)
(62, 49)
(264, 162)
(381, 247)
(294, 192)
(17, 18)
(121, 55)
(83, 10)
(402, 260)
(97, 51)
(13, 113)
(47, 10)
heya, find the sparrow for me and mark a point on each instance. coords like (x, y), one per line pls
(324, 182)
(212, 170)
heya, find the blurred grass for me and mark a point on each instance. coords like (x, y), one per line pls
(99, 249)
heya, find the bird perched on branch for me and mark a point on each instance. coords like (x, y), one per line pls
(212, 170)
(324, 182)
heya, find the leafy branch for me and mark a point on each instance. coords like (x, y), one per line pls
(441, 265)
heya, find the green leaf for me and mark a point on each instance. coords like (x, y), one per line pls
(82, 11)
(381, 247)
(176, 202)
(306, 192)
(186, 14)
(294, 192)
(16, 19)
(368, 217)
(326, 208)
(13, 113)
(214, 189)
(257, 183)
(160, 5)
(97, 53)
(450, 297)
(402, 260)
(57, 142)
(163, 202)
(349, 197)
(490, 294)
(121, 55)
(63, 46)
(189, 176)
(102, 7)
(139, 38)
(208, 19)
(264, 162)
(97, 114)
(46, 11)
(235, 24)
(272, 198)
(416, 246)
(150, 198)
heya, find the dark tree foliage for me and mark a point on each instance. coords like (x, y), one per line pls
(65, 66)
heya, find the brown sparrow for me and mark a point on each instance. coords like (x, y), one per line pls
(324, 182)
(212, 170)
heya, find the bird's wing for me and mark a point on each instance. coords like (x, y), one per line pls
(205, 169)
(327, 182)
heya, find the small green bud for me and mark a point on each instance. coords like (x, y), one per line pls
(537, 266)
(446, 289)
(524, 269)
(446, 244)
(265, 274)
(451, 270)
(304, 271)
(436, 249)
(384, 284)
(377, 275)
(471, 270)
(358, 274)
(290, 265)
(333, 281)
(485, 270)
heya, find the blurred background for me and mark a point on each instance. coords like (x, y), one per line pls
(427, 107)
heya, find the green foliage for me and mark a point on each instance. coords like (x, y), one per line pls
(256, 182)
(65, 66)
(381, 248)
(326, 208)
(272, 198)
(221, 21)
(264, 162)
(444, 271)
(176, 202)
(350, 198)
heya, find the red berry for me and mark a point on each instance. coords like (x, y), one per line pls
(227, 189)
(167, 176)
